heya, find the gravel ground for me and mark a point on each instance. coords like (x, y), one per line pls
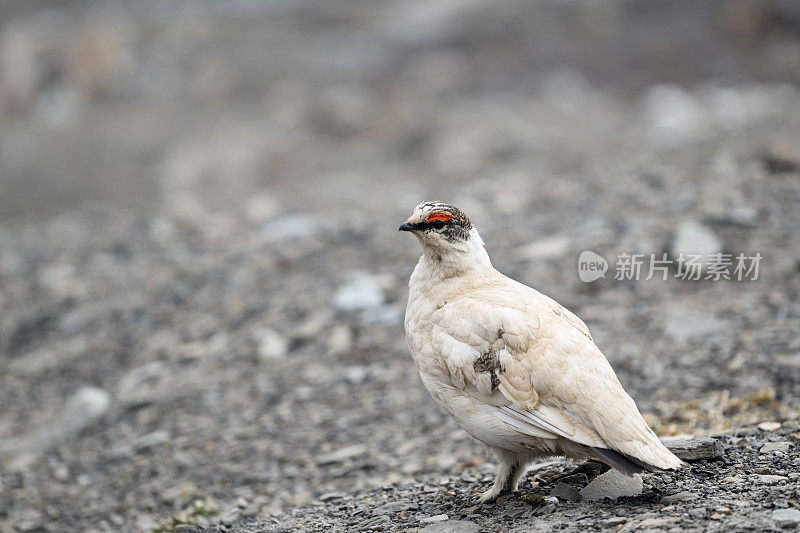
(202, 284)
(752, 486)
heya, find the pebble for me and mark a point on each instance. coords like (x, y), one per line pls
(566, 492)
(694, 449)
(394, 507)
(770, 479)
(452, 526)
(615, 521)
(769, 426)
(651, 523)
(142, 385)
(358, 293)
(786, 518)
(772, 447)
(684, 323)
(612, 484)
(272, 345)
(151, 440)
(680, 497)
(84, 408)
(435, 519)
(695, 238)
(342, 454)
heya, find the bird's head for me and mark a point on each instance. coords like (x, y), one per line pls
(442, 228)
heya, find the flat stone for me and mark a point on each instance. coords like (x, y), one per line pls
(566, 492)
(685, 323)
(612, 484)
(694, 238)
(772, 447)
(769, 426)
(358, 293)
(770, 479)
(650, 523)
(680, 497)
(435, 519)
(452, 526)
(342, 454)
(786, 518)
(151, 440)
(87, 406)
(694, 449)
(394, 507)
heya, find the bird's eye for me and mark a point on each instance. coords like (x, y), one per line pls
(438, 224)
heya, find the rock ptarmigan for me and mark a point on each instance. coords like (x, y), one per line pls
(516, 370)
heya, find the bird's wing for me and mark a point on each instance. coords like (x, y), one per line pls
(518, 352)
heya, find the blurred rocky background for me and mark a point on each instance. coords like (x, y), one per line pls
(201, 280)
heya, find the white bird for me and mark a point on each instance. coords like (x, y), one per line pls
(516, 370)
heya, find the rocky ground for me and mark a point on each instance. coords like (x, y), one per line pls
(746, 480)
(202, 283)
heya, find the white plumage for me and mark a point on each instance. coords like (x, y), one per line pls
(516, 370)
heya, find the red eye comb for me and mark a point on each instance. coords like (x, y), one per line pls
(444, 217)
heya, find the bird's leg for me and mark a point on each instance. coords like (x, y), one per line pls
(506, 479)
(515, 476)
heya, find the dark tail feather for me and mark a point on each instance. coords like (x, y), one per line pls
(624, 463)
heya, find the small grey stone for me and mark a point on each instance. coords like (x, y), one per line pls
(615, 521)
(435, 519)
(342, 454)
(329, 496)
(230, 515)
(29, 520)
(358, 293)
(694, 449)
(566, 492)
(694, 238)
(84, 408)
(612, 484)
(772, 447)
(394, 507)
(698, 512)
(272, 345)
(150, 440)
(684, 323)
(679, 497)
(786, 518)
(452, 526)
(143, 385)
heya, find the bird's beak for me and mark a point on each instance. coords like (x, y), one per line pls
(406, 227)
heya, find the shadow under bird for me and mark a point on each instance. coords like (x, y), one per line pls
(518, 372)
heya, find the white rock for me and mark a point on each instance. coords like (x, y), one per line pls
(261, 208)
(691, 237)
(786, 518)
(672, 115)
(359, 292)
(272, 345)
(143, 385)
(294, 227)
(612, 484)
(152, 439)
(342, 454)
(340, 340)
(772, 447)
(769, 426)
(683, 323)
(84, 408)
(435, 519)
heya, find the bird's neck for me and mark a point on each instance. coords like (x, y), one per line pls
(467, 258)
